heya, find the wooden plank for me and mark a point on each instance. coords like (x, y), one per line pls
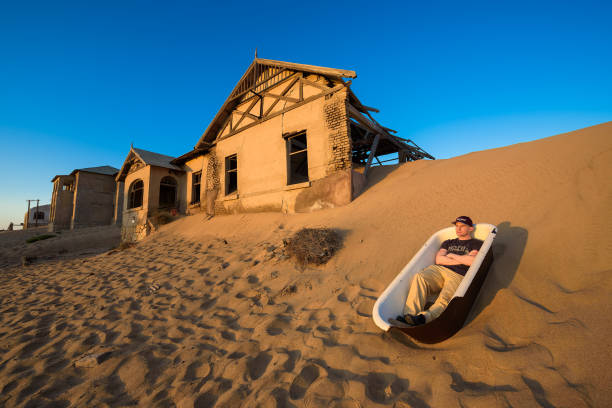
(248, 110)
(342, 73)
(283, 98)
(362, 127)
(282, 94)
(273, 115)
(315, 84)
(301, 91)
(250, 115)
(372, 155)
(370, 108)
(283, 80)
(359, 117)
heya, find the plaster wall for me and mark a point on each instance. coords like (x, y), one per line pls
(156, 174)
(134, 217)
(263, 161)
(94, 199)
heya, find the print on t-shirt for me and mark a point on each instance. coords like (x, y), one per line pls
(460, 247)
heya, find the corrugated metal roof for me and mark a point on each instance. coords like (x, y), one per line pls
(156, 159)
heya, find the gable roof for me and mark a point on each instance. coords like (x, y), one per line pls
(105, 170)
(148, 159)
(251, 80)
(155, 159)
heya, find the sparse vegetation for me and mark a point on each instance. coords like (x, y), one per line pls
(40, 238)
(313, 245)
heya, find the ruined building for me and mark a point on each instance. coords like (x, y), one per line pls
(37, 216)
(83, 198)
(290, 137)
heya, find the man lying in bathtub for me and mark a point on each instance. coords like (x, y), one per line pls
(452, 262)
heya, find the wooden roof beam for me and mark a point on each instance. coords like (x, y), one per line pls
(341, 73)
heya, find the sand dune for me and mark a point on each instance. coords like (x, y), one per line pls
(210, 313)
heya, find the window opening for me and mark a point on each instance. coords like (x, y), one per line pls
(196, 179)
(167, 192)
(231, 174)
(135, 194)
(39, 215)
(297, 162)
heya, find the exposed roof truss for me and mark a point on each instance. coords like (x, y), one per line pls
(266, 83)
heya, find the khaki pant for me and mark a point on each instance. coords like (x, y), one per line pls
(434, 278)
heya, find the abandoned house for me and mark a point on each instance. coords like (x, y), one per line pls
(290, 137)
(147, 184)
(83, 198)
(37, 216)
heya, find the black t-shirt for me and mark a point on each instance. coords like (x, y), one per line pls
(460, 247)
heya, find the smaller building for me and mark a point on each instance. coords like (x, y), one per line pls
(38, 216)
(148, 185)
(83, 198)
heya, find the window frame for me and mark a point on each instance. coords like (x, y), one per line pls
(173, 184)
(196, 198)
(228, 172)
(132, 194)
(291, 177)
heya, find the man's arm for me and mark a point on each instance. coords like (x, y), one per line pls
(464, 259)
(443, 258)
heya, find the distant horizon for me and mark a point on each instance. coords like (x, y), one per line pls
(81, 82)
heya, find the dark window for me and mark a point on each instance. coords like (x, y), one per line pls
(196, 179)
(39, 215)
(231, 174)
(297, 161)
(167, 192)
(135, 194)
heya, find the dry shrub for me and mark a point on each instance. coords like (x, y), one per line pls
(313, 245)
(39, 238)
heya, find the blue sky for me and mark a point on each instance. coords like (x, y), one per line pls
(80, 81)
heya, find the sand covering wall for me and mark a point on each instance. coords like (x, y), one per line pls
(208, 313)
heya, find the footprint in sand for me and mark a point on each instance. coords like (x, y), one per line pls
(372, 285)
(277, 326)
(349, 294)
(300, 384)
(257, 366)
(365, 308)
(197, 370)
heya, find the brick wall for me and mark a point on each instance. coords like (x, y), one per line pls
(336, 121)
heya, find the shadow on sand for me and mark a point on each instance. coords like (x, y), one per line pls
(508, 249)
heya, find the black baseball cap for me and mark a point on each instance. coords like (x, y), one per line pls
(464, 220)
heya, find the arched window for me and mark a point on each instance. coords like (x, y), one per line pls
(167, 192)
(135, 194)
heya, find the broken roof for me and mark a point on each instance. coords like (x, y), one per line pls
(264, 75)
(251, 81)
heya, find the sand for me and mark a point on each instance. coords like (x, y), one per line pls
(210, 313)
